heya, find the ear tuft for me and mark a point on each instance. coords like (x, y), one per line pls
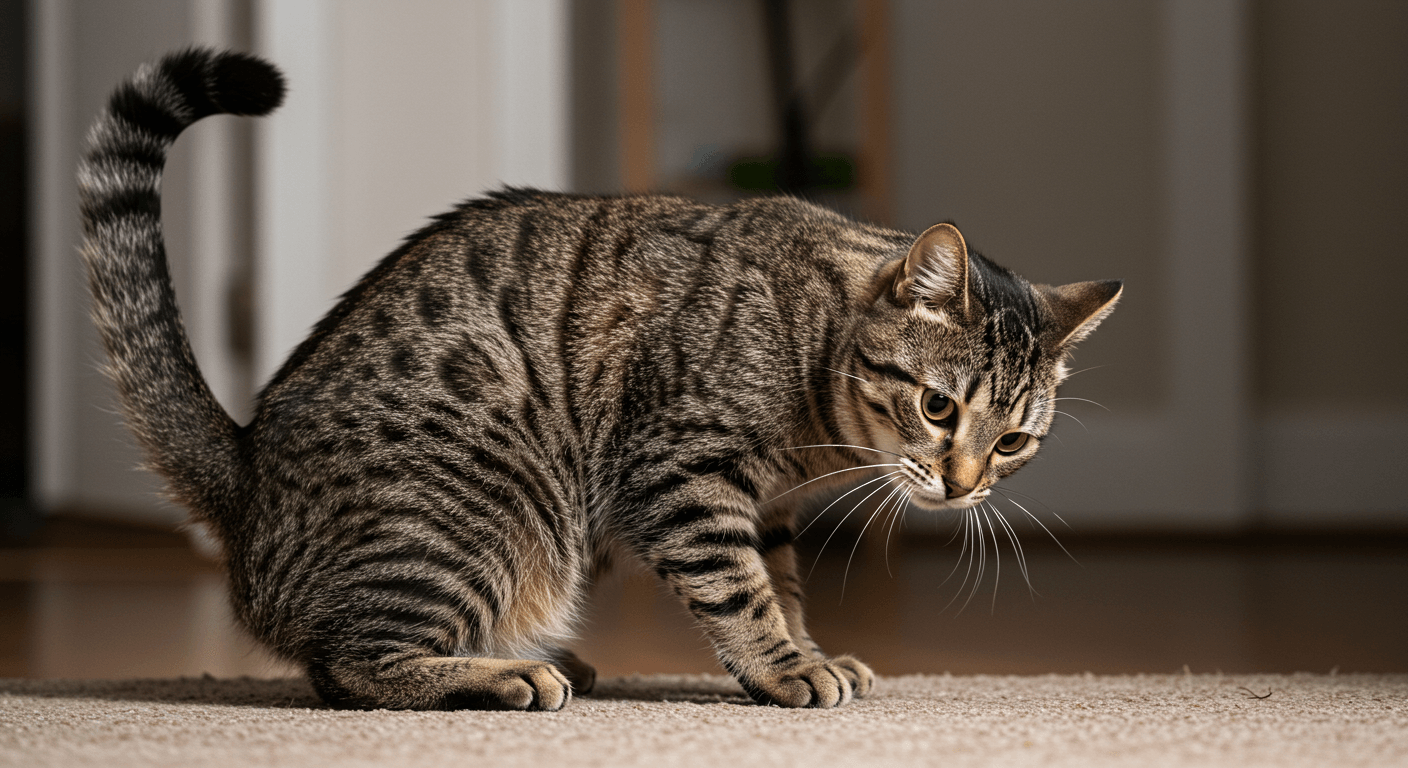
(936, 271)
(1078, 308)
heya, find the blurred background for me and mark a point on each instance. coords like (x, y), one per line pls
(1232, 499)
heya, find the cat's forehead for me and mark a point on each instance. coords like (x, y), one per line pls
(997, 355)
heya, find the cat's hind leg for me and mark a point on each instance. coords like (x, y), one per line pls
(396, 644)
(412, 633)
(581, 674)
(426, 681)
(421, 610)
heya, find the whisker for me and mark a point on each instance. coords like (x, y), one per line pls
(843, 373)
(842, 496)
(1048, 532)
(962, 526)
(842, 445)
(959, 561)
(982, 550)
(843, 522)
(997, 558)
(901, 509)
(956, 529)
(828, 474)
(880, 507)
(1005, 491)
(897, 493)
(1083, 370)
(973, 558)
(889, 524)
(1069, 416)
(1053, 512)
(1016, 547)
(1083, 400)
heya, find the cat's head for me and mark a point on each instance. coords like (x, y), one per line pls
(956, 365)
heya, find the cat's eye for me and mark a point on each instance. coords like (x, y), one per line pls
(937, 407)
(1012, 442)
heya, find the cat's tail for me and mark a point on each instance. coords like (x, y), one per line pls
(186, 435)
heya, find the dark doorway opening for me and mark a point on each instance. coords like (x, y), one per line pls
(17, 515)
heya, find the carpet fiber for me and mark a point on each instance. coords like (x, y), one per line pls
(1153, 720)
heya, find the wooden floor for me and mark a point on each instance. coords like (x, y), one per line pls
(92, 601)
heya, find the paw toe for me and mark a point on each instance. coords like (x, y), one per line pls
(821, 685)
(862, 680)
(551, 691)
(530, 686)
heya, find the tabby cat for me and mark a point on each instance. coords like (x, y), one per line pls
(536, 383)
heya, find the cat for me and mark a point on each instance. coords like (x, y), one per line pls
(537, 383)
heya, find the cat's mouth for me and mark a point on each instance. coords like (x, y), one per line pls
(925, 497)
(932, 493)
(929, 491)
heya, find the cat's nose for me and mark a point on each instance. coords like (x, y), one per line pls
(955, 490)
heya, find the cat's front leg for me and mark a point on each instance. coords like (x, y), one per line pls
(708, 552)
(776, 534)
(775, 544)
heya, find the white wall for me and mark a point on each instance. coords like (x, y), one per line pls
(83, 456)
(395, 111)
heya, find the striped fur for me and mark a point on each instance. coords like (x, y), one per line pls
(537, 382)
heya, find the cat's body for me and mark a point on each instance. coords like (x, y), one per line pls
(536, 383)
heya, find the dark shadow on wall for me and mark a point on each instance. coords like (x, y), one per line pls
(17, 517)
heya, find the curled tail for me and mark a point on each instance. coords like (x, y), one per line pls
(185, 433)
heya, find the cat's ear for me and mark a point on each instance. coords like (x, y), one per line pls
(936, 271)
(1078, 307)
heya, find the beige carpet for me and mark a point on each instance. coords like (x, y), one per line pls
(1145, 721)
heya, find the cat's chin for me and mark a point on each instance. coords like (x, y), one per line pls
(931, 502)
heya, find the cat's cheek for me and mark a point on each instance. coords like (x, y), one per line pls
(1008, 466)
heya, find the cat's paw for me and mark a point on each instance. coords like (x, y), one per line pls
(855, 670)
(581, 674)
(817, 683)
(513, 684)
